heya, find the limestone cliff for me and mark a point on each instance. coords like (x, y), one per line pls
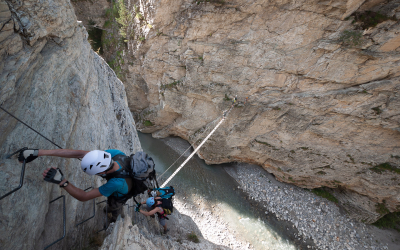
(317, 88)
(126, 235)
(52, 80)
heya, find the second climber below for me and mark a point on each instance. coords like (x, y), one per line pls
(154, 206)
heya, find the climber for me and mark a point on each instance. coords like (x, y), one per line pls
(102, 163)
(161, 207)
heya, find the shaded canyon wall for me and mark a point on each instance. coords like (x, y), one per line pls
(315, 108)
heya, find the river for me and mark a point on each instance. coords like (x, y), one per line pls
(249, 219)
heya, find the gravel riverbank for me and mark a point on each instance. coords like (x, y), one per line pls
(313, 222)
(209, 220)
(314, 217)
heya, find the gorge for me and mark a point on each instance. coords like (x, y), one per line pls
(316, 83)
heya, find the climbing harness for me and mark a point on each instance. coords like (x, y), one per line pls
(166, 205)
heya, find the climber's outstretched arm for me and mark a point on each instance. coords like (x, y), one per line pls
(65, 153)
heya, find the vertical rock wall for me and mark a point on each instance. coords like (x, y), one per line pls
(52, 80)
(315, 108)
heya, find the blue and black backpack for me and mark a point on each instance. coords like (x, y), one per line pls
(165, 193)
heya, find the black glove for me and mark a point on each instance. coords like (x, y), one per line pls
(54, 176)
(28, 155)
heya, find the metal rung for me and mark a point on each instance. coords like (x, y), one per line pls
(133, 215)
(64, 221)
(94, 210)
(21, 180)
(129, 206)
(105, 225)
(100, 202)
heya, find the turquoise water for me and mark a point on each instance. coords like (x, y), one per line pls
(212, 183)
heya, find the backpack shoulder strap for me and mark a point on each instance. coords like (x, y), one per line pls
(123, 160)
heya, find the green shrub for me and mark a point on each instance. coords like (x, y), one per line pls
(226, 98)
(377, 110)
(381, 208)
(385, 166)
(352, 38)
(391, 220)
(324, 194)
(193, 237)
(169, 86)
(124, 20)
(370, 19)
(148, 123)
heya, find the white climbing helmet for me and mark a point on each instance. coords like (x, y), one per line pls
(96, 161)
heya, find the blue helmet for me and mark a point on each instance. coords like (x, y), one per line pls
(150, 201)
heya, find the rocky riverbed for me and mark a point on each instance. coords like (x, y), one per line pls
(314, 217)
(208, 219)
(311, 221)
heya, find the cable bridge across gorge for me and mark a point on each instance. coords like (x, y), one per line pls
(94, 203)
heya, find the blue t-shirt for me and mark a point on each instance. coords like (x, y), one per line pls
(115, 186)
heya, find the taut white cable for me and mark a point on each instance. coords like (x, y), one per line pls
(190, 156)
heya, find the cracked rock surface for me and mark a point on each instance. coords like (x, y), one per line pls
(311, 109)
(52, 80)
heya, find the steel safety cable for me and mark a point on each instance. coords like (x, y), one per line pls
(29, 127)
(225, 114)
(159, 177)
(191, 155)
(201, 144)
(178, 158)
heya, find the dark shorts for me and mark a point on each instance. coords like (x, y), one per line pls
(114, 207)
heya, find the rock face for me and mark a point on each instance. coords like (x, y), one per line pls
(52, 80)
(315, 108)
(124, 235)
